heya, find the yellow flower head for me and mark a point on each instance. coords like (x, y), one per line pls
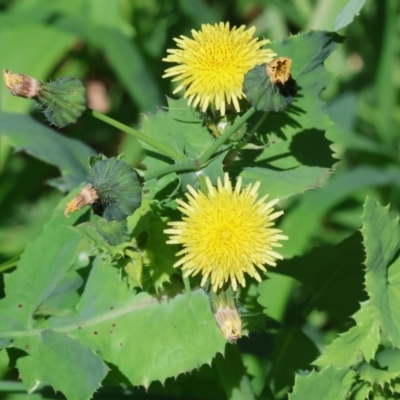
(226, 233)
(212, 65)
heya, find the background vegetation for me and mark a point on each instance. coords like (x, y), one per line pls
(115, 48)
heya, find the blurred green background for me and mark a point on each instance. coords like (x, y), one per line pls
(116, 48)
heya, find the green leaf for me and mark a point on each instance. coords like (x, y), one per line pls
(381, 234)
(42, 267)
(163, 336)
(389, 359)
(158, 257)
(178, 127)
(112, 247)
(326, 384)
(283, 184)
(347, 13)
(358, 343)
(287, 135)
(56, 359)
(376, 376)
(314, 205)
(274, 293)
(329, 270)
(69, 155)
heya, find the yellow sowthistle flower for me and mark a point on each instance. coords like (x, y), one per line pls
(212, 65)
(226, 233)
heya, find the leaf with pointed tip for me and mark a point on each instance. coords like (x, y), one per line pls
(57, 360)
(326, 384)
(381, 234)
(376, 376)
(347, 13)
(360, 341)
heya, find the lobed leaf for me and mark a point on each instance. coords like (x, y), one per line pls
(358, 343)
(381, 234)
(326, 384)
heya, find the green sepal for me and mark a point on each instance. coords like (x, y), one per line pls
(118, 187)
(265, 95)
(64, 101)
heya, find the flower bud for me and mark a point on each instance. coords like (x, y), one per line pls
(226, 313)
(21, 85)
(87, 196)
(63, 101)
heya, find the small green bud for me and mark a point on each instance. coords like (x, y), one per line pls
(64, 99)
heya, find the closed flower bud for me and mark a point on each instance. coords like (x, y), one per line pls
(21, 85)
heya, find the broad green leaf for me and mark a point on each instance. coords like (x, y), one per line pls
(37, 61)
(282, 184)
(69, 155)
(329, 270)
(147, 338)
(334, 15)
(326, 384)
(358, 343)
(347, 13)
(42, 267)
(314, 205)
(56, 359)
(294, 140)
(381, 234)
(274, 293)
(177, 127)
(63, 299)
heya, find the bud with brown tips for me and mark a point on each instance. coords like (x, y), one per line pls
(21, 85)
(88, 195)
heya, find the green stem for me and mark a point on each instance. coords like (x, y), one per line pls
(229, 132)
(9, 264)
(186, 166)
(138, 135)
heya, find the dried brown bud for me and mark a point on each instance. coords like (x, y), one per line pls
(21, 85)
(88, 195)
(279, 69)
